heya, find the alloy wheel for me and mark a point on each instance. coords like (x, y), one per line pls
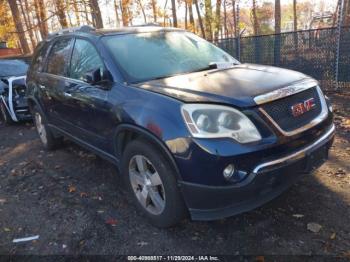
(147, 184)
(40, 128)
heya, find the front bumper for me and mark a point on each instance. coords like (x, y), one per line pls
(265, 182)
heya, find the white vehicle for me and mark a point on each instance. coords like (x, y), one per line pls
(13, 102)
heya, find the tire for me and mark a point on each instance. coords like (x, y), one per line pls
(146, 188)
(5, 114)
(46, 136)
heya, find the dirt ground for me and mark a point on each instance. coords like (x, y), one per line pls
(74, 201)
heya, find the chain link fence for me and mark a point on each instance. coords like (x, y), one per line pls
(312, 52)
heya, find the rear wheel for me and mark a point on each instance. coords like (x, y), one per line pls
(5, 114)
(45, 134)
(151, 183)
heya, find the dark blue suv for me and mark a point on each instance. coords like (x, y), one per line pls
(192, 130)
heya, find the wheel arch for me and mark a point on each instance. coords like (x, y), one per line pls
(125, 133)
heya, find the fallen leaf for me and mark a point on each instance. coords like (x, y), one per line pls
(260, 259)
(72, 189)
(298, 215)
(112, 222)
(83, 194)
(333, 235)
(2, 201)
(314, 227)
(6, 229)
(57, 167)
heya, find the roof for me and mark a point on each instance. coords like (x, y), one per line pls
(87, 30)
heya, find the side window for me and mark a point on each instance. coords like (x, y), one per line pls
(39, 56)
(58, 59)
(84, 59)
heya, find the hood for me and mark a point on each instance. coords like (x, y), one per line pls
(236, 86)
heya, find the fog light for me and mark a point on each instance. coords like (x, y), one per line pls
(229, 171)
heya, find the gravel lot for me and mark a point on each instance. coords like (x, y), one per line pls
(75, 202)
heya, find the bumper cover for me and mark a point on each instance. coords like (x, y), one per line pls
(267, 181)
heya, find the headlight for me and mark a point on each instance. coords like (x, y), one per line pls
(215, 121)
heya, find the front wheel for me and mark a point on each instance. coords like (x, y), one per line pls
(152, 184)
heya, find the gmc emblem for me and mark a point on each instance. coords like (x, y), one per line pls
(301, 108)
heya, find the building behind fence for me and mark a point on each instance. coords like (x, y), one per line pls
(312, 52)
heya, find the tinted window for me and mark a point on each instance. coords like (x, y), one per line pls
(84, 59)
(59, 57)
(39, 57)
(153, 55)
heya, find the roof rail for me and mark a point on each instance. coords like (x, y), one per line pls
(147, 24)
(83, 29)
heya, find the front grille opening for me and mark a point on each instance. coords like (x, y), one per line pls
(281, 110)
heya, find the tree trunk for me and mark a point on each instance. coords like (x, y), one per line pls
(255, 19)
(154, 8)
(277, 16)
(199, 18)
(62, 18)
(186, 11)
(40, 11)
(234, 15)
(143, 11)
(18, 25)
(295, 15)
(76, 11)
(28, 22)
(117, 19)
(190, 12)
(125, 15)
(173, 8)
(347, 13)
(96, 13)
(208, 19)
(217, 19)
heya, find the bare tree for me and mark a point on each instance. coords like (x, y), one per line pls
(190, 13)
(61, 13)
(255, 19)
(28, 24)
(117, 19)
(76, 11)
(295, 17)
(18, 25)
(96, 13)
(173, 9)
(234, 15)
(217, 19)
(142, 10)
(277, 16)
(40, 11)
(208, 20)
(199, 18)
(186, 11)
(124, 6)
(154, 8)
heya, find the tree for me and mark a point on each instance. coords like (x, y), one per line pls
(40, 11)
(234, 15)
(27, 22)
(117, 19)
(277, 16)
(18, 25)
(96, 13)
(208, 19)
(190, 13)
(295, 18)
(217, 19)
(76, 11)
(62, 18)
(199, 18)
(124, 6)
(142, 10)
(173, 9)
(255, 19)
(154, 8)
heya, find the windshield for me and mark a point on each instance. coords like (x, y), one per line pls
(13, 67)
(146, 56)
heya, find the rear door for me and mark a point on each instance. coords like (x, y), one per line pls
(54, 81)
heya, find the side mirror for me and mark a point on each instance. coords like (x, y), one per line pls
(94, 76)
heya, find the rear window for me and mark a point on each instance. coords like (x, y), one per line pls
(13, 67)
